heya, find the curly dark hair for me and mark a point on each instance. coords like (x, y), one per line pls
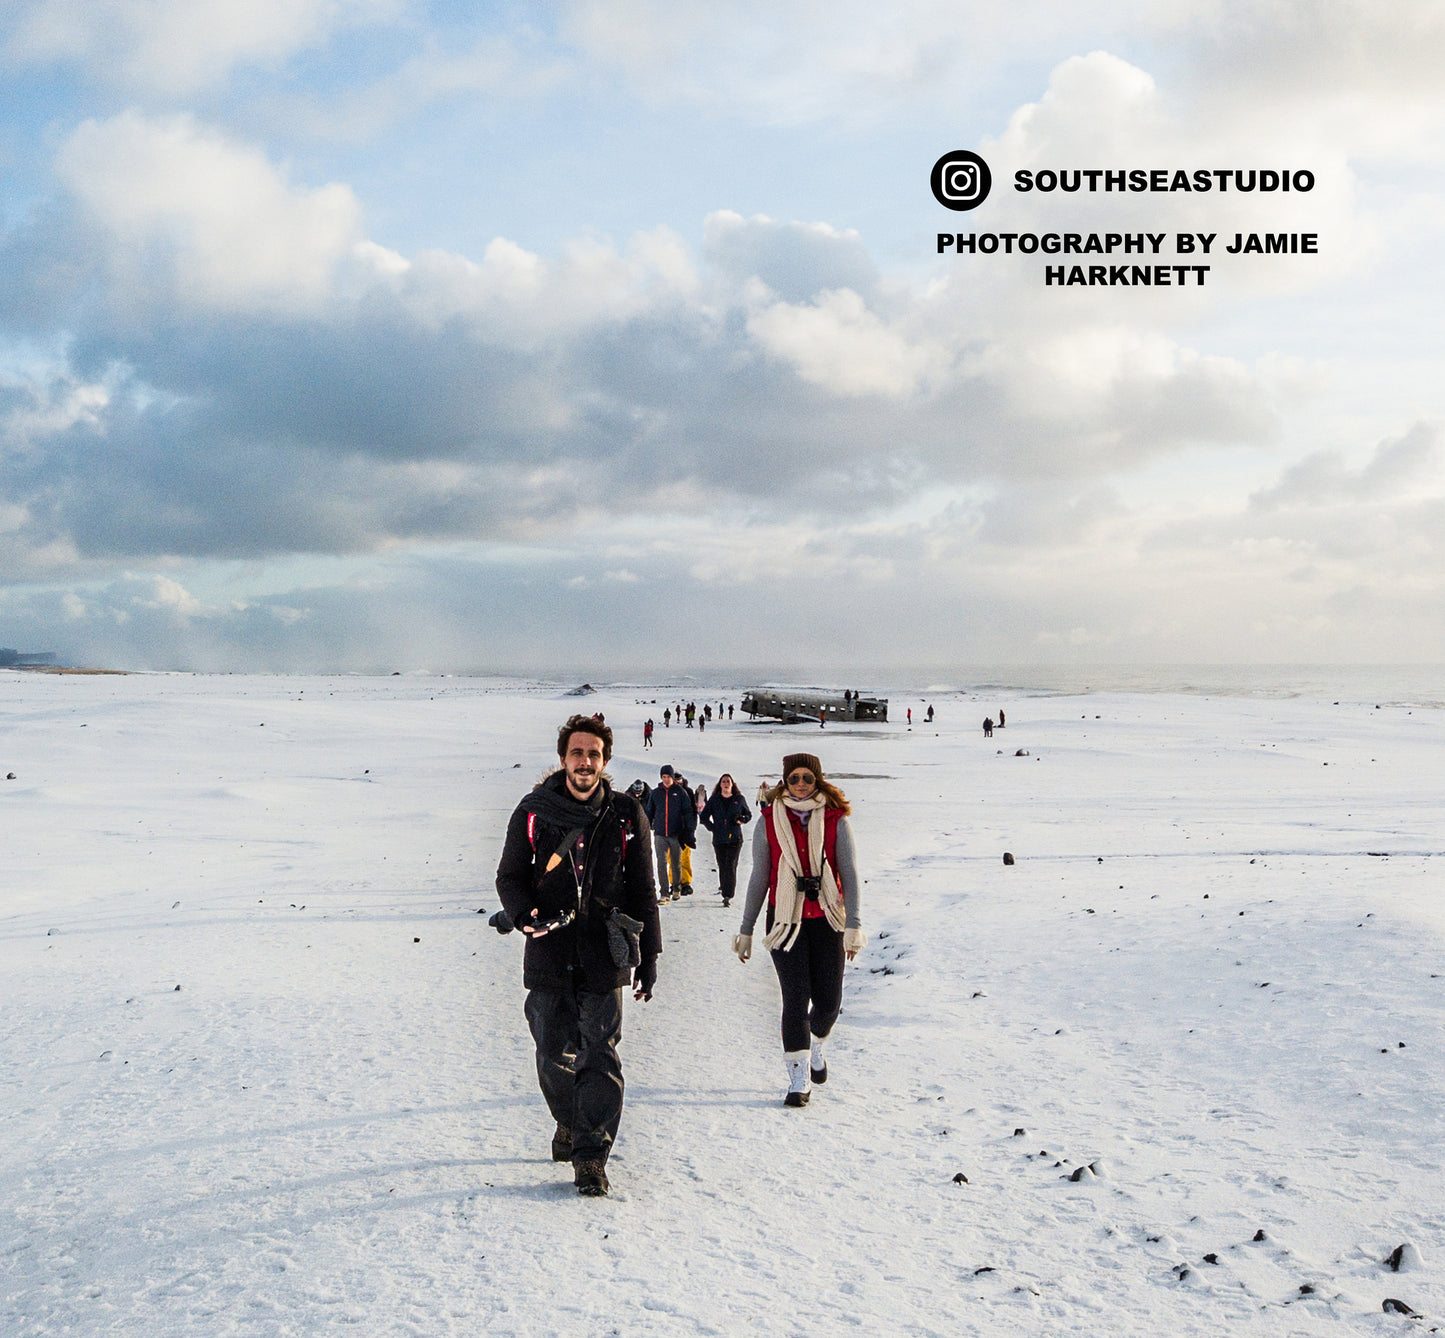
(585, 724)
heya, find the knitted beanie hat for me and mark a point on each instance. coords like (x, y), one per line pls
(806, 760)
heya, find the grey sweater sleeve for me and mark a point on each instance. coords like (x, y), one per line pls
(758, 879)
(846, 872)
(847, 875)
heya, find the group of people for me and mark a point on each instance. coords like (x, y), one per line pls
(676, 810)
(690, 713)
(576, 875)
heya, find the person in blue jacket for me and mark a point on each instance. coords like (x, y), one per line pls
(724, 815)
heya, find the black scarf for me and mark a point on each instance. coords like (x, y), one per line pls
(552, 801)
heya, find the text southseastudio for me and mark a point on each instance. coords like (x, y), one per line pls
(1190, 246)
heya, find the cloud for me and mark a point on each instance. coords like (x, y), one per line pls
(245, 373)
(1399, 468)
(178, 47)
(794, 260)
(192, 217)
(226, 366)
(1101, 112)
(835, 342)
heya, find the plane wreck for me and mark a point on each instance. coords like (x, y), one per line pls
(795, 707)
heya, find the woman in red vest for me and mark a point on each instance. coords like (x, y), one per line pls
(803, 863)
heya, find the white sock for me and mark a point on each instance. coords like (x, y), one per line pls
(799, 1079)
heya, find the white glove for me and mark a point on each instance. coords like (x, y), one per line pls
(743, 946)
(854, 941)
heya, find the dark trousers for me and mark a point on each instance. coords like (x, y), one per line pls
(669, 862)
(811, 974)
(577, 1065)
(727, 869)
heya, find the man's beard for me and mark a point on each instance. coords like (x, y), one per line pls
(582, 786)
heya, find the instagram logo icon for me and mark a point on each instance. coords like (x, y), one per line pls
(961, 180)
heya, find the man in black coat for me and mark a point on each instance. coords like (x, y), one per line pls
(576, 877)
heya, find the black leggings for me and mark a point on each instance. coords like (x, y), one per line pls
(727, 868)
(810, 972)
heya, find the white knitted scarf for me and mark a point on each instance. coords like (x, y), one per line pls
(788, 901)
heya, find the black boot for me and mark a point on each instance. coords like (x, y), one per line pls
(590, 1177)
(562, 1143)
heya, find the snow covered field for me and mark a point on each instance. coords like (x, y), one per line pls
(264, 1071)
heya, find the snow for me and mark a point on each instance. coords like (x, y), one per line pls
(1214, 975)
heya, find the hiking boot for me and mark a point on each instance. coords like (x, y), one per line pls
(817, 1065)
(562, 1143)
(799, 1089)
(687, 889)
(590, 1177)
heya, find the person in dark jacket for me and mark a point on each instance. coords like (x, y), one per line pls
(669, 811)
(723, 815)
(576, 877)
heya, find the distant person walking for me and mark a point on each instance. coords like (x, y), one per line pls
(1000, 719)
(987, 727)
(647, 734)
(575, 871)
(910, 717)
(667, 718)
(724, 815)
(667, 812)
(803, 865)
(930, 715)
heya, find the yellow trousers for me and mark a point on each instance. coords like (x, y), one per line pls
(687, 865)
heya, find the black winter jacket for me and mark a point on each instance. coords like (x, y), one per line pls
(724, 818)
(617, 871)
(670, 811)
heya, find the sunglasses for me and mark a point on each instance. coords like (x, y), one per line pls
(801, 778)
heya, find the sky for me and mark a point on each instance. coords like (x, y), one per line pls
(613, 336)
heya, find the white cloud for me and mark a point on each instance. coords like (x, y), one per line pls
(516, 296)
(177, 198)
(177, 47)
(837, 343)
(161, 592)
(55, 405)
(1101, 112)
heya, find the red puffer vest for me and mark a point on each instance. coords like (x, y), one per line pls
(812, 910)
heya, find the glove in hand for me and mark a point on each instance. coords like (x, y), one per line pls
(743, 946)
(644, 978)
